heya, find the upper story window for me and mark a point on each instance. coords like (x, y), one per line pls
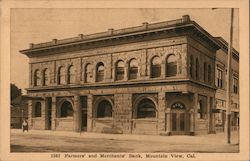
(45, 77)
(37, 79)
(38, 109)
(209, 73)
(155, 67)
(235, 85)
(171, 66)
(197, 69)
(61, 75)
(205, 72)
(120, 68)
(133, 69)
(219, 78)
(99, 72)
(191, 66)
(88, 73)
(71, 74)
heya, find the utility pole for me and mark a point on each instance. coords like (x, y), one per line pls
(229, 76)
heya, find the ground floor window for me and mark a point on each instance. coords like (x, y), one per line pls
(38, 109)
(66, 109)
(146, 109)
(104, 109)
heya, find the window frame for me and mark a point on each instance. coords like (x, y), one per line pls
(132, 74)
(100, 74)
(155, 67)
(171, 67)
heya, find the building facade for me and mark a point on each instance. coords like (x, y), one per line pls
(221, 83)
(151, 79)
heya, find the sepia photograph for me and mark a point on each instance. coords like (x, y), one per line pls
(136, 83)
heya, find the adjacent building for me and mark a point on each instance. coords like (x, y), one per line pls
(156, 78)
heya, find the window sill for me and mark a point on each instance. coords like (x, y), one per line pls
(104, 119)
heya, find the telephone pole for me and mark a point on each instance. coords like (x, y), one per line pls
(229, 78)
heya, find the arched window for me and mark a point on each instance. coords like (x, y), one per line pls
(104, 109)
(120, 70)
(37, 79)
(66, 109)
(205, 72)
(171, 66)
(191, 66)
(61, 75)
(133, 69)
(197, 69)
(38, 109)
(100, 72)
(45, 77)
(146, 109)
(209, 73)
(155, 67)
(71, 74)
(88, 73)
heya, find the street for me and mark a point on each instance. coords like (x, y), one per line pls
(44, 141)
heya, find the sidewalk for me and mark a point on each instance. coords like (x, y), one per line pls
(208, 139)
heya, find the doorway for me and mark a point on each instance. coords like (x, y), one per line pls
(179, 119)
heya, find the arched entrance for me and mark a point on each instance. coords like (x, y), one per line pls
(179, 119)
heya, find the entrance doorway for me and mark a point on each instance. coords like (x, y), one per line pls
(179, 119)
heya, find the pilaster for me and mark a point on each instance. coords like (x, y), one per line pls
(161, 111)
(89, 112)
(77, 113)
(30, 113)
(53, 113)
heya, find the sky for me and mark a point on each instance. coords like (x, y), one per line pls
(42, 25)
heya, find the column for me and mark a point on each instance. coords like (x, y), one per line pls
(163, 68)
(126, 71)
(89, 112)
(208, 113)
(212, 117)
(77, 113)
(30, 113)
(161, 111)
(45, 112)
(53, 113)
(192, 121)
(195, 104)
(168, 121)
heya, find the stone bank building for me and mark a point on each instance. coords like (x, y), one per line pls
(151, 79)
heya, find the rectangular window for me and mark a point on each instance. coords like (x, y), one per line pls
(235, 85)
(219, 78)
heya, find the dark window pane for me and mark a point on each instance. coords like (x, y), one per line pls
(182, 121)
(104, 109)
(173, 121)
(66, 109)
(146, 109)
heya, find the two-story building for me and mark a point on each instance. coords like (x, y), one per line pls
(151, 79)
(221, 83)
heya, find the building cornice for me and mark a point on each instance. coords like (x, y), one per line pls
(183, 26)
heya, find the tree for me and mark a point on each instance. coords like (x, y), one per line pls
(14, 91)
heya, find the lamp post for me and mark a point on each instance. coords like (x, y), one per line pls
(229, 76)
